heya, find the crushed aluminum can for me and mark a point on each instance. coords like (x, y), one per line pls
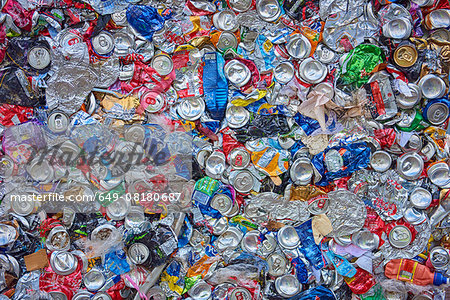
(287, 285)
(94, 280)
(398, 28)
(240, 293)
(318, 205)
(55, 295)
(423, 3)
(8, 234)
(420, 198)
(268, 10)
(139, 254)
(284, 72)
(222, 203)
(432, 86)
(58, 121)
(405, 55)
(101, 296)
(301, 171)
(135, 133)
(410, 166)
(156, 102)
(243, 181)
(325, 55)
(226, 41)
(237, 73)
(237, 116)
(440, 258)
(414, 216)
(250, 241)
(278, 264)
(162, 63)
(103, 43)
(414, 144)
(240, 5)
(438, 173)
(380, 161)
(82, 295)
(215, 164)
(288, 238)
(63, 262)
(407, 102)
(118, 209)
(400, 236)
(230, 239)
(366, 240)
(126, 72)
(439, 18)
(239, 158)
(436, 111)
(120, 18)
(312, 71)
(225, 20)
(298, 46)
(39, 57)
(123, 43)
(428, 151)
(7, 167)
(40, 170)
(58, 239)
(200, 290)
(191, 109)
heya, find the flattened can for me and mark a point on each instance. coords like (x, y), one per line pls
(240, 5)
(226, 41)
(439, 18)
(288, 238)
(398, 28)
(407, 102)
(405, 55)
(287, 285)
(440, 258)
(63, 263)
(237, 116)
(420, 198)
(278, 264)
(191, 109)
(380, 161)
(298, 46)
(268, 10)
(39, 57)
(432, 86)
(240, 293)
(237, 73)
(243, 181)
(225, 20)
(103, 43)
(58, 122)
(312, 71)
(410, 166)
(436, 111)
(239, 158)
(400, 236)
(284, 72)
(162, 63)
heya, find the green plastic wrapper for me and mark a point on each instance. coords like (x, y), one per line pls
(358, 65)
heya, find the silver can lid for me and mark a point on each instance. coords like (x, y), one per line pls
(324, 54)
(200, 290)
(398, 28)
(440, 258)
(23, 207)
(428, 151)
(103, 233)
(7, 166)
(268, 245)
(243, 181)
(437, 113)
(220, 225)
(432, 86)
(380, 161)
(191, 109)
(298, 46)
(39, 57)
(58, 122)
(366, 240)
(162, 63)
(414, 216)
(135, 133)
(301, 171)
(8, 234)
(239, 158)
(135, 217)
(284, 72)
(222, 203)
(120, 18)
(410, 166)
(202, 156)
(58, 239)
(414, 144)
(438, 174)
(240, 5)
(215, 164)
(312, 71)
(156, 293)
(268, 10)
(240, 293)
(237, 116)
(225, 20)
(123, 43)
(94, 280)
(118, 209)
(155, 101)
(420, 198)
(237, 73)
(250, 241)
(55, 295)
(63, 262)
(82, 295)
(40, 170)
(278, 264)
(406, 102)
(287, 285)
(126, 72)
(103, 43)
(226, 41)
(400, 236)
(230, 239)
(288, 238)
(406, 118)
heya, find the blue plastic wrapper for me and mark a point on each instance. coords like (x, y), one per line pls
(186, 235)
(215, 85)
(309, 248)
(116, 262)
(308, 124)
(338, 162)
(145, 20)
(317, 293)
(300, 270)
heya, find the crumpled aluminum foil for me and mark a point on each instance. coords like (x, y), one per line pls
(346, 212)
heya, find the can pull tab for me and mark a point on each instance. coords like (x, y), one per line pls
(58, 122)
